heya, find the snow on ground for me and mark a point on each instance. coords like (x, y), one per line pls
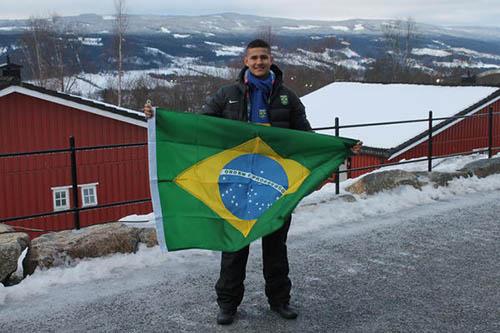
(301, 27)
(464, 63)
(469, 52)
(360, 103)
(154, 51)
(165, 30)
(229, 51)
(317, 211)
(349, 53)
(340, 27)
(88, 84)
(430, 52)
(359, 27)
(225, 50)
(181, 36)
(323, 59)
(453, 50)
(351, 64)
(13, 28)
(88, 41)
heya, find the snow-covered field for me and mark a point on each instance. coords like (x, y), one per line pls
(317, 211)
(88, 84)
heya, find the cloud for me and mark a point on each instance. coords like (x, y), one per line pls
(478, 12)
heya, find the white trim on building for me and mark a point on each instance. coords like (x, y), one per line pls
(75, 105)
(60, 197)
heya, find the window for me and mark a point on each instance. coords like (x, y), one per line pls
(61, 198)
(89, 194)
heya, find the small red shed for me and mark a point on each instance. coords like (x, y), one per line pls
(37, 119)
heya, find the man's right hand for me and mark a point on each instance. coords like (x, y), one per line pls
(148, 110)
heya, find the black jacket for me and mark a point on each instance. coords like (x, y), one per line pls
(285, 108)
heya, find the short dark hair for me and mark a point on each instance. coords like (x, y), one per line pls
(258, 43)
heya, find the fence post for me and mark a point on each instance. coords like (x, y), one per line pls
(490, 132)
(337, 174)
(76, 211)
(429, 152)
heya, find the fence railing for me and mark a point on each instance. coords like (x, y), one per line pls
(72, 149)
(75, 208)
(430, 131)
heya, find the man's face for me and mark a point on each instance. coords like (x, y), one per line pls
(259, 61)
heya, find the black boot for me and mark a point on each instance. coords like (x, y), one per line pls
(225, 317)
(285, 311)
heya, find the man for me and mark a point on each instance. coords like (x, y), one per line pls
(260, 97)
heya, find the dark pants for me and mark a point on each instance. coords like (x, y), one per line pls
(230, 287)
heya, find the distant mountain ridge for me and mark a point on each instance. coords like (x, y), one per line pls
(166, 47)
(233, 23)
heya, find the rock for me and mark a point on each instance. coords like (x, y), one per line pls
(148, 236)
(64, 248)
(483, 168)
(385, 180)
(347, 198)
(12, 244)
(440, 178)
(4, 228)
(330, 198)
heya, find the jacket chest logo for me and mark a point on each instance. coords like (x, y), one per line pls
(284, 99)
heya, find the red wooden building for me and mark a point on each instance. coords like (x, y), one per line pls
(361, 103)
(36, 119)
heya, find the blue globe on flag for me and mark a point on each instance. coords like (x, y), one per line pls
(250, 184)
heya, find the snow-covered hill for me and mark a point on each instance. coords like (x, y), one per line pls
(233, 23)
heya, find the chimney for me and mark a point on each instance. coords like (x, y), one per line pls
(11, 71)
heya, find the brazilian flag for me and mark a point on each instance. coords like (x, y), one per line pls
(219, 184)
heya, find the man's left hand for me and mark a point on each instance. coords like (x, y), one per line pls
(356, 149)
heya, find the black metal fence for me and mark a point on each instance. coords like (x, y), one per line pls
(430, 131)
(72, 149)
(75, 209)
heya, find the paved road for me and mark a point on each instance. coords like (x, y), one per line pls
(434, 268)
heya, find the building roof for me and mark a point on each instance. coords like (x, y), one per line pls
(77, 102)
(358, 103)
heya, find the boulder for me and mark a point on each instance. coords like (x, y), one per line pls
(12, 244)
(483, 168)
(65, 248)
(439, 178)
(148, 236)
(329, 198)
(4, 228)
(385, 180)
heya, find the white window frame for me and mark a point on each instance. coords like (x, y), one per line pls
(93, 187)
(60, 189)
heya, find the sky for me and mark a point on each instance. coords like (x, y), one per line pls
(442, 12)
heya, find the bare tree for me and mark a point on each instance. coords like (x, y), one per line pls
(120, 31)
(49, 53)
(33, 42)
(266, 33)
(399, 38)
